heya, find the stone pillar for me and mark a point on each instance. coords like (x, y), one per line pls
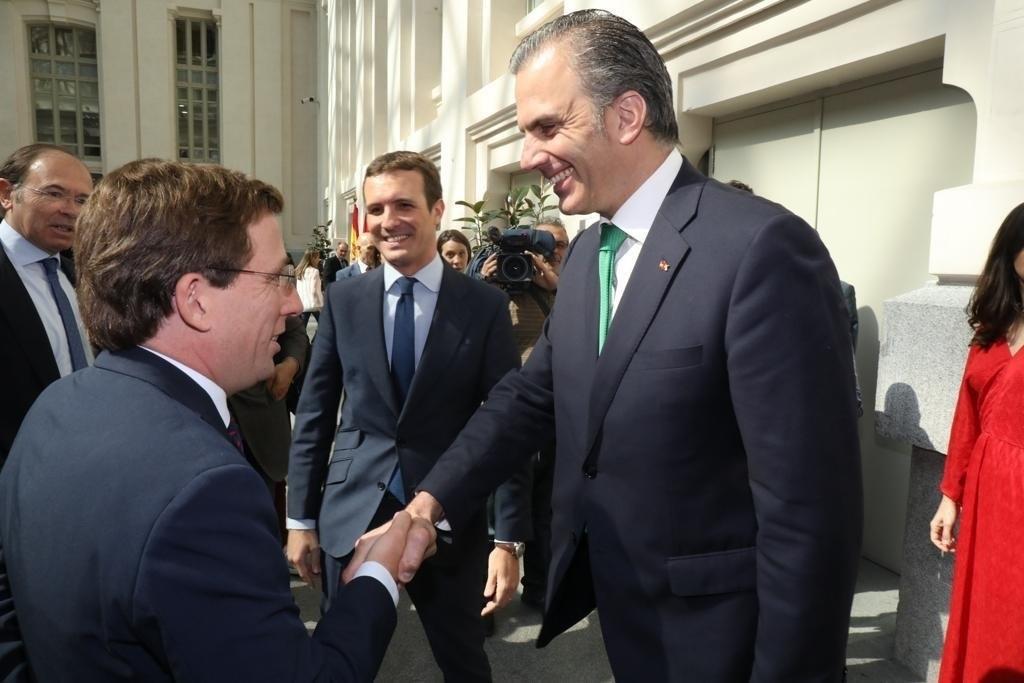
(920, 365)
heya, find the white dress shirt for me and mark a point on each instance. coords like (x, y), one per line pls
(220, 401)
(27, 260)
(424, 293)
(635, 218)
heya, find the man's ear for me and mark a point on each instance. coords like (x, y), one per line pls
(6, 194)
(191, 300)
(437, 210)
(630, 111)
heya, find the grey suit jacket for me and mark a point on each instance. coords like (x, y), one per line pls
(469, 348)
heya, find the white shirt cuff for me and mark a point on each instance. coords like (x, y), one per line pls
(377, 571)
(304, 524)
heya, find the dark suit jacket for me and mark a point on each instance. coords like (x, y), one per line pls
(332, 264)
(25, 353)
(139, 544)
(709, 455)
(265, 422)
(469, 348)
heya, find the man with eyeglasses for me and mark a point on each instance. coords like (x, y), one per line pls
(136, 542)
(42, 190)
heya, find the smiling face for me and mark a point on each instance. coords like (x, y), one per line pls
(252, 310)
(403, 226)
(43, 206)
(562, 139)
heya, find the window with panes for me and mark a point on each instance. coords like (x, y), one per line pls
(197, 78)
(65, 87)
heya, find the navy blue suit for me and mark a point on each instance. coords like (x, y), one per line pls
(707, 493)
(138, 544)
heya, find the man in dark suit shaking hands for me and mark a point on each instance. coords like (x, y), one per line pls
(42, 189)
(415, 347)
(697, 371)
(136, 542)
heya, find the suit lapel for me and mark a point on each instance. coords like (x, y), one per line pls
(662, 256)
(27, 328)
(447, 328)
(367, 331)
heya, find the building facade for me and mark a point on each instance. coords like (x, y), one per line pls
(224, 81)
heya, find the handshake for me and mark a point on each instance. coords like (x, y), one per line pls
(400, 546)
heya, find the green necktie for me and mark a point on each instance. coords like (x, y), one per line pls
(612, 238)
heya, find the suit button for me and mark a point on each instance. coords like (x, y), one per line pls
(381, 486)
(590, 473)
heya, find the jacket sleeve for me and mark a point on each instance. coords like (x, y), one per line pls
(962, 436)
(315, 421)
(512, 520)
(212, 594)
(792, 384)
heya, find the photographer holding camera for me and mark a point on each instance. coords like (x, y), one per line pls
(527, 263)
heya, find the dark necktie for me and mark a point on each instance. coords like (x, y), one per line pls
(403, 363)
(67, 315)
(403, 343)
(612, 238)
(235, 434)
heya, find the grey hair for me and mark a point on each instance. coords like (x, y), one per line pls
(610, 56)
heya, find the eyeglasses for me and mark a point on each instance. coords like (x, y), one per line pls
(285, 279)
(54, 196)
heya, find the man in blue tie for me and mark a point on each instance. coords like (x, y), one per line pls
(42, 190)
(415, 346)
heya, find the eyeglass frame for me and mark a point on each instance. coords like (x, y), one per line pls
(285, 280)
(56, 196)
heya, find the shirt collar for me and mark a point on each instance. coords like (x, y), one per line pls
(636, 216)
(429, 275)
(217, 395)
(21, 251)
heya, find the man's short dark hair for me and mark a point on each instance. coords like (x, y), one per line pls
(610, 56)
(147, 224)
(16, 166)
(409, 161)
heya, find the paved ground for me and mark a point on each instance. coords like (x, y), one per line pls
(578, 655)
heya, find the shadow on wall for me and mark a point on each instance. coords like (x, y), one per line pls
(901, 417)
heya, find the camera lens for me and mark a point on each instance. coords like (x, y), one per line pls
(515, 268)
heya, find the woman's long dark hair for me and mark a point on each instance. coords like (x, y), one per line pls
(996, 301)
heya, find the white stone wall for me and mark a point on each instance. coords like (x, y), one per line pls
(268, 62)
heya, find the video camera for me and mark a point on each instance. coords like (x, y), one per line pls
(515, 267)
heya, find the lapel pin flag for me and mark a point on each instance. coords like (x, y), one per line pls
(663, 265)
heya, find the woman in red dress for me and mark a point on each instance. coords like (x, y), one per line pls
(983, 482)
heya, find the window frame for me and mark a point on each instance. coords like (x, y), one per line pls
(66, 71)
(193, 85)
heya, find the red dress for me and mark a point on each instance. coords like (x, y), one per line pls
(985, 473)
